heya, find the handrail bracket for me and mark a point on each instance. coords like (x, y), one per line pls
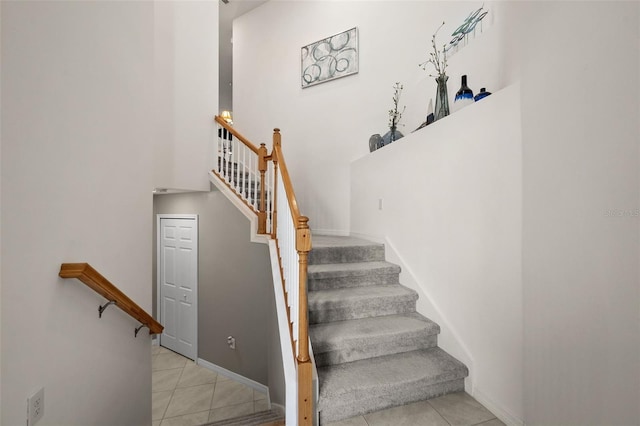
(102, 308)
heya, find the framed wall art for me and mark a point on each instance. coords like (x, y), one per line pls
(330, 58)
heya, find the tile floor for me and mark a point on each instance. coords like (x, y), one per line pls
(186, 394)
(457, 409)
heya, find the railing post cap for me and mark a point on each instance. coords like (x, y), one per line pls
(276, 130)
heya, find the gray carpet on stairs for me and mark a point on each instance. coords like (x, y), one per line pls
(372, 349)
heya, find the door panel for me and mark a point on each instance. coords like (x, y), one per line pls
(178, 284)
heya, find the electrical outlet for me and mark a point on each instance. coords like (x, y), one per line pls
(35, 407)
(231, 341)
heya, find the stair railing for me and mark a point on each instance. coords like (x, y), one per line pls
(293, 239)
(243, 166)
(263, 182)
(93, 279)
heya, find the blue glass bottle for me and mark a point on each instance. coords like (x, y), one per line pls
(483, 94)
(464, 96)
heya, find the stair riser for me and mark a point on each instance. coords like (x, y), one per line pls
(324, 255)
(376, 347)
(362, 309)
(359, 402)
(352, 281)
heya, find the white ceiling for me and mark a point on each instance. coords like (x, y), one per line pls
(228, 12)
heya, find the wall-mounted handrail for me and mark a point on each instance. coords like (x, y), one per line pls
(92, 278)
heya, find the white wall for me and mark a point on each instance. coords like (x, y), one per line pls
(0, 205)
(102, 101)
(325, 127)
(578, 67)
(580, 264)
(76, 187)
(452, 217)
(186, 90)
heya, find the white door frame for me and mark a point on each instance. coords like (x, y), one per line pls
(159, 274)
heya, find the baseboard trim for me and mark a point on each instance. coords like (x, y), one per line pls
(506, 417)
(374, 238)
(237, 377)
(330, 232)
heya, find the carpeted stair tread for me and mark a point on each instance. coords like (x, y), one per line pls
(260, 418)
(356, 274)
(347, 341)
(330, 249)
(360, 302)
(337, 270)
(375, 383)
(334, 335)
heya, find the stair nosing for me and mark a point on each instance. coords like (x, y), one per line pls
(324, 344)
(365, 383)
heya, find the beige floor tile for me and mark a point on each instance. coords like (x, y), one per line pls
(494, 422)
(415, 414)
(195, 419)
(163, 380)
(194, 375)
(155, 350)
(167, 361)
(460, 409)
(260, 405)
(159, 403)
(190, 400)
(231, 393)
(223, 378)
(353, 421)
(257, 395)
(231, 411)
(156, 423)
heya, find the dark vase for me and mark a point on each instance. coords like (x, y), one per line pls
(442, 98)
(375, 142)
(483, 94)
(464, 96)
(392, 135)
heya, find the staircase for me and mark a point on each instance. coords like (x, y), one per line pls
(372, 349)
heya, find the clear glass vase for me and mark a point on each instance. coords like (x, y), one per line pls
(442, 98)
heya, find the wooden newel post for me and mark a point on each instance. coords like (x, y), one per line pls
(303, 247)
(277, 143)
(262, 166)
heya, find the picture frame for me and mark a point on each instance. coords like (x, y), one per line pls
(330, 58)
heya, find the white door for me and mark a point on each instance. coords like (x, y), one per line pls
(178, 279)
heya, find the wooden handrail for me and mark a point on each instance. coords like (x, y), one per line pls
(221, 121)
(303, 247)
(261, 152)
(301, 243)
(286, 179)
(92, 278)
